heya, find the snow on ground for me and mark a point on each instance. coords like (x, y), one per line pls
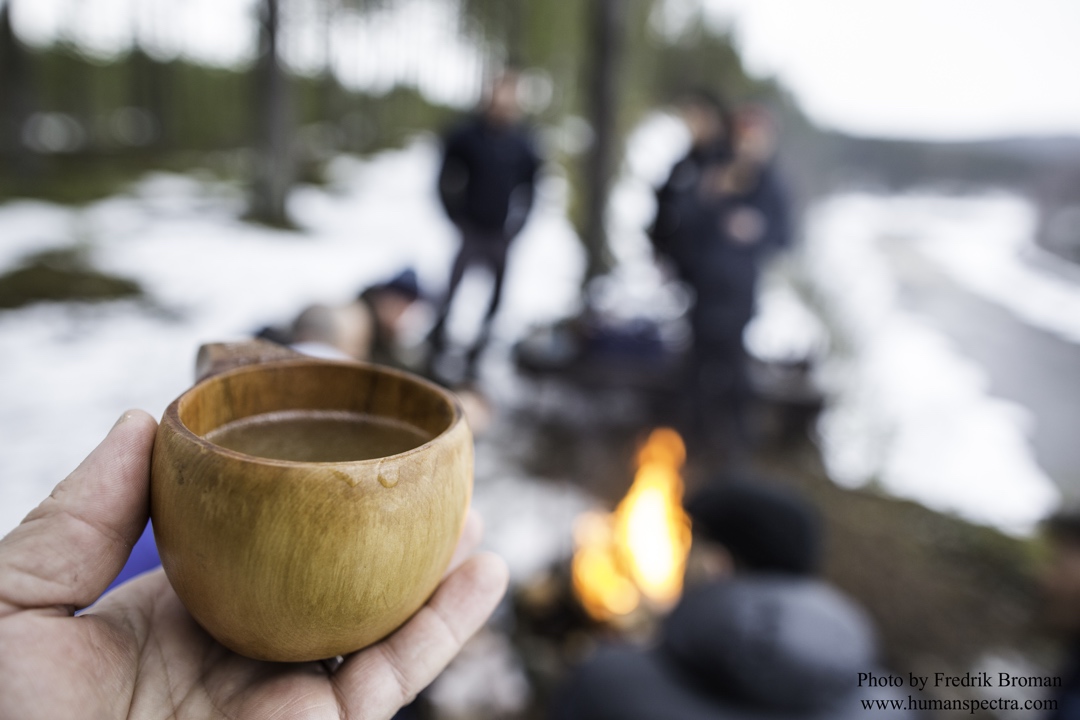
(69, 371)
(985, 243)
(907, 410)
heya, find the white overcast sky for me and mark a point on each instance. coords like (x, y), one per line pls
(914, 68)
(927, 68)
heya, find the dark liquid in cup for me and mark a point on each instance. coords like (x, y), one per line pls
(318, 436)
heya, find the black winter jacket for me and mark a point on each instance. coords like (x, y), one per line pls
(488, 175)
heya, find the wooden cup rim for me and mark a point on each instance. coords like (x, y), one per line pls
(172, 412)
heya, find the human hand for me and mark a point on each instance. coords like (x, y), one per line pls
(137, 653)
(746, 225)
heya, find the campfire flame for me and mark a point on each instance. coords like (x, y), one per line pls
(640, 549)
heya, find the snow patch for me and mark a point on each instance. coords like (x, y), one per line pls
(907, 410)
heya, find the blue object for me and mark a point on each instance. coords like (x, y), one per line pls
(144, 557)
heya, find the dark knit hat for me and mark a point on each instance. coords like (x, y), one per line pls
(405, 283)
(765, 528)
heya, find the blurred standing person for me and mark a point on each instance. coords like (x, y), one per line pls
(486, 185)
(679, 231)
(744, 220)
(673, 231)
(729, 214)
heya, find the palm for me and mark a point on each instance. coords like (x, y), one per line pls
(177, 670)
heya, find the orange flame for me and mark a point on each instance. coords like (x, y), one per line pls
(641, 548)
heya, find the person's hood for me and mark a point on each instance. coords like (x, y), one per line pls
(780, 642)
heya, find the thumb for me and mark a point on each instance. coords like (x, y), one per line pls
(68, 549)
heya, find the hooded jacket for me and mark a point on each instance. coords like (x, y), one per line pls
(753, 647)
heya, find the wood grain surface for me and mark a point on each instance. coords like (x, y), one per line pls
(297, 561)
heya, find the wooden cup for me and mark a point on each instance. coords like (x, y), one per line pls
(297, 561)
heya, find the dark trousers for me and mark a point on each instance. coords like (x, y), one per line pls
(483, 248)
(717, 390)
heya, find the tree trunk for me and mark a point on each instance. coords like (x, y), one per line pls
(16, 100)
(330, 90)
(274, 170)
(515, 33)
(148, 91)
(607, 24)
